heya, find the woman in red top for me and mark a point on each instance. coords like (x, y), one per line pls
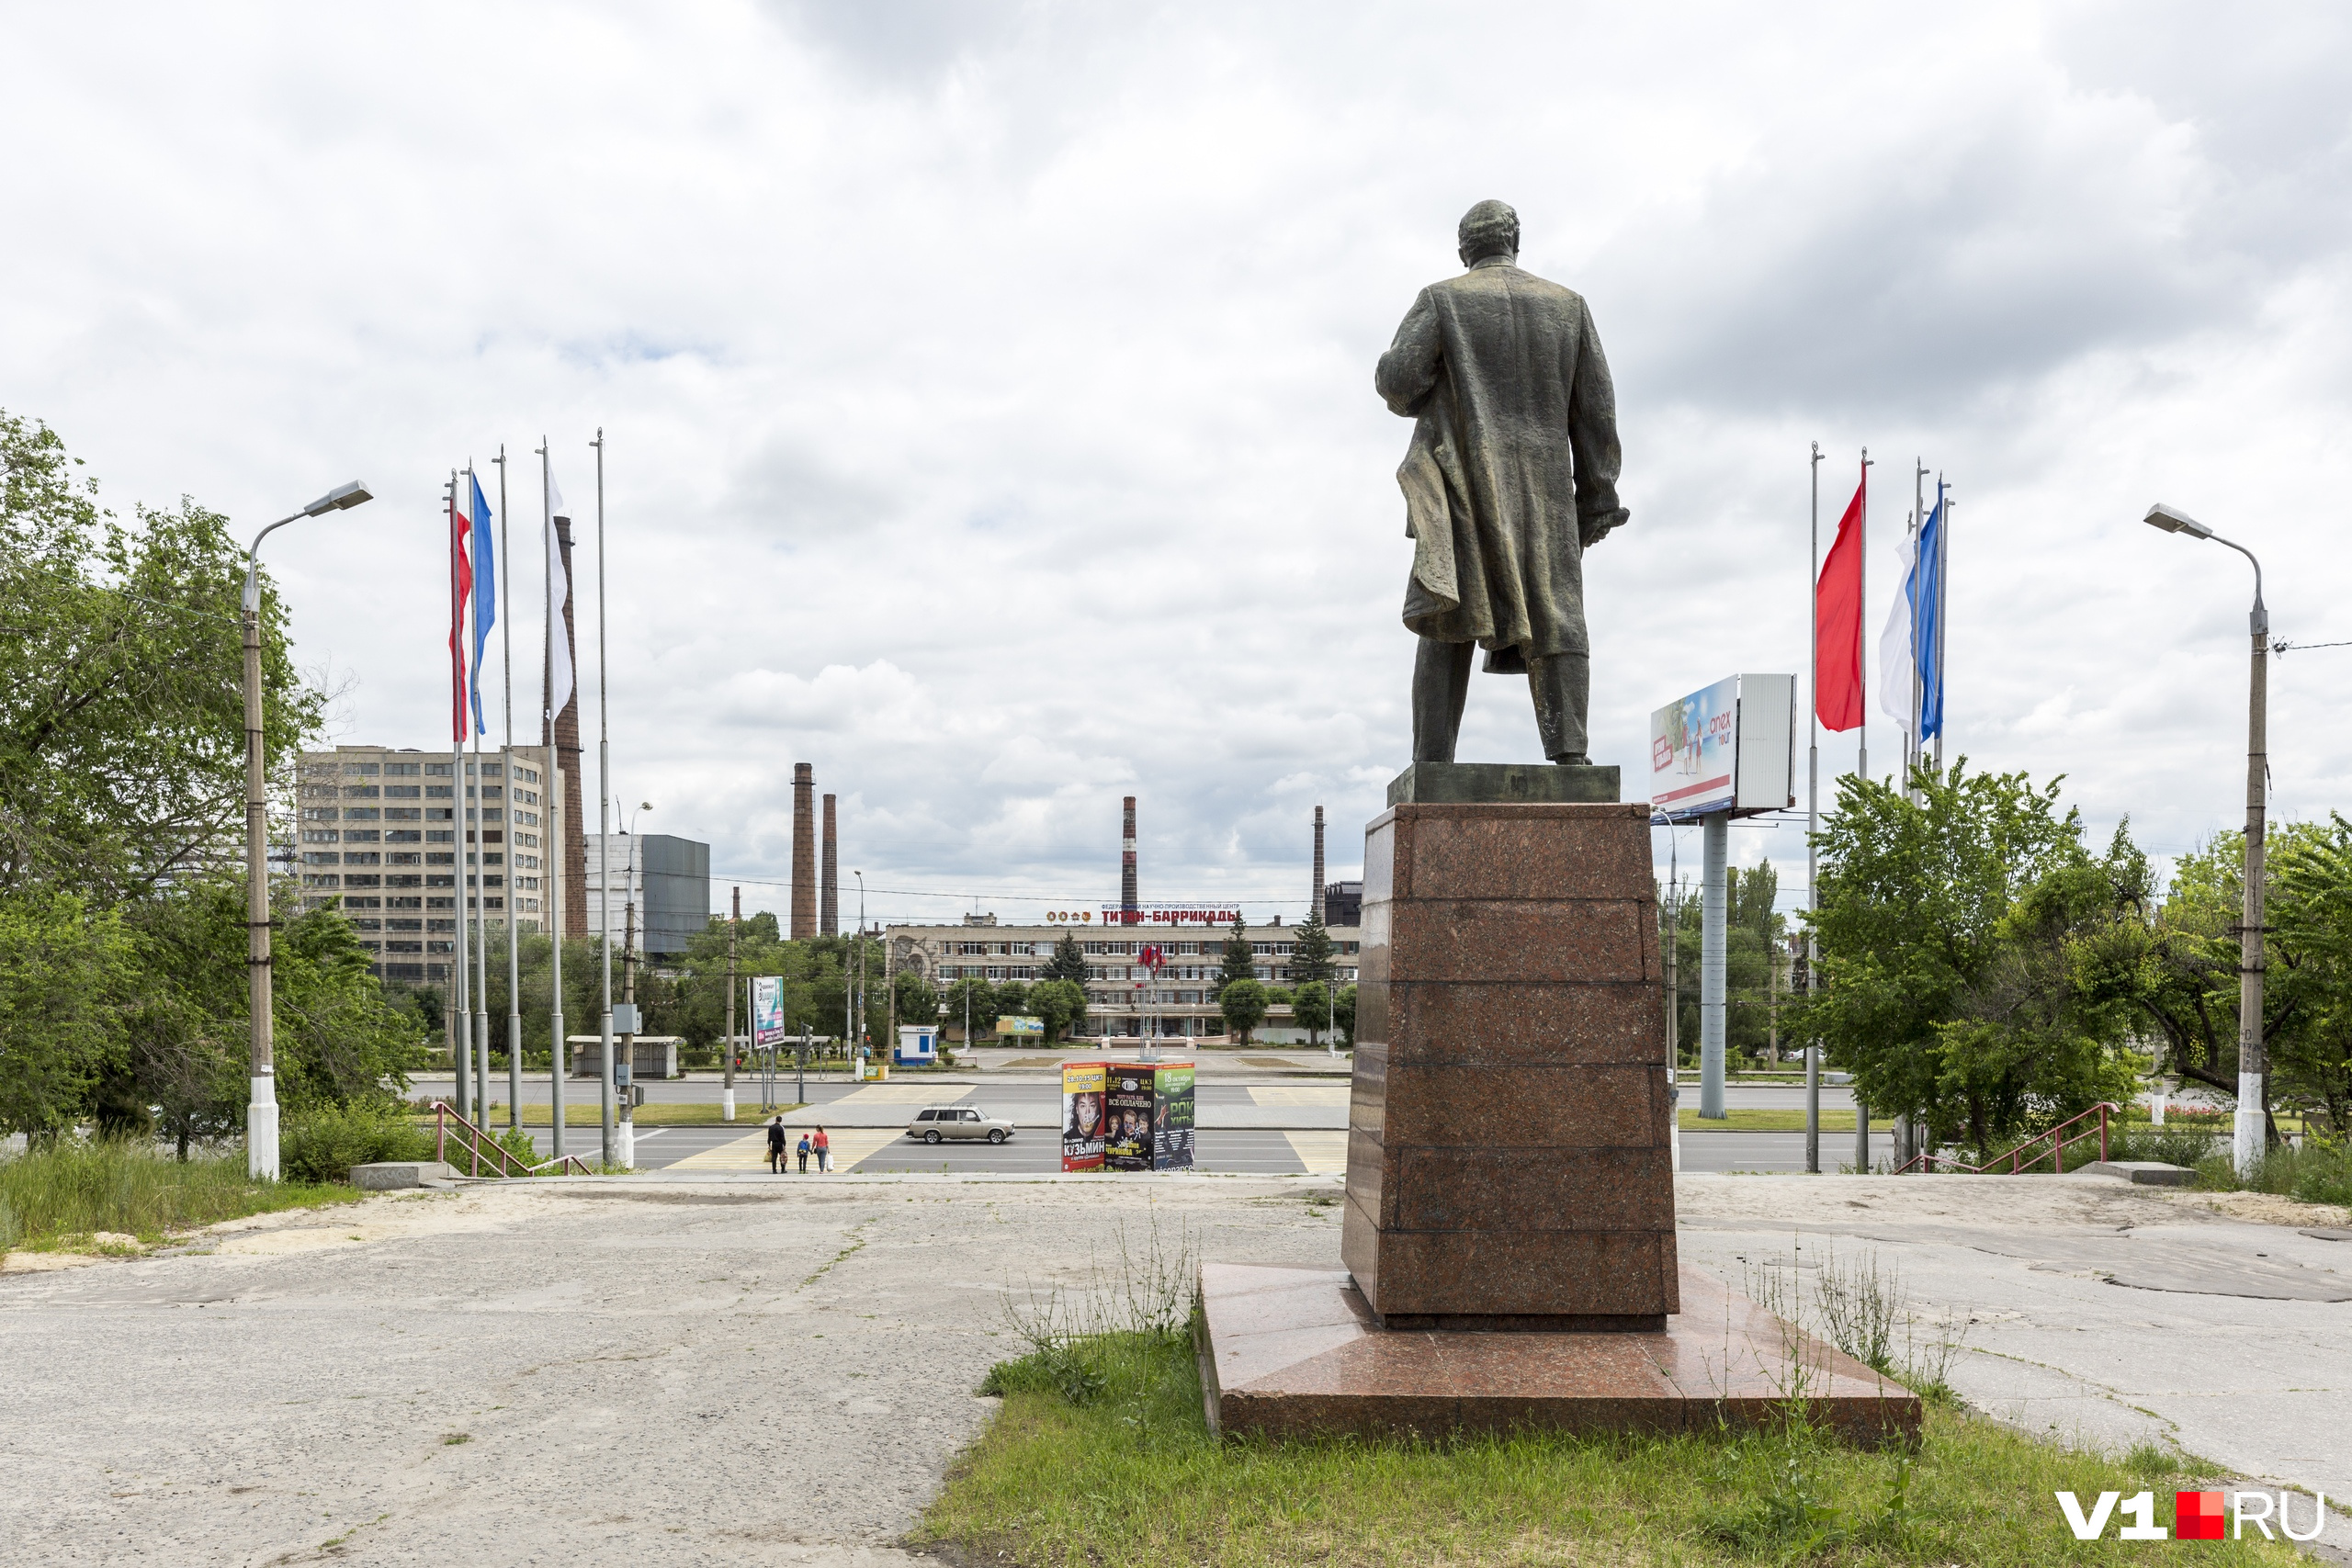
(824, 1147)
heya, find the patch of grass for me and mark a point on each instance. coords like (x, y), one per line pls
(1101, 1457)
(1774, 1121)
(2316, 1173)
(49, 1197)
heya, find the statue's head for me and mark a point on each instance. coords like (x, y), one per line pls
(1489, 229)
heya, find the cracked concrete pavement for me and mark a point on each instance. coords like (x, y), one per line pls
(761, 1372)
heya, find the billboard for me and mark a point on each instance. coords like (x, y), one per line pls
(1728, 747)
(1016, 1023)
(1082, 1090)
(1148, 1116)
(1171, 1138)
(767, 1009)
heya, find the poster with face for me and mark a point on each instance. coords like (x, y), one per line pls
(1171, 1134)
(1083, 1113)
(1129, 1145)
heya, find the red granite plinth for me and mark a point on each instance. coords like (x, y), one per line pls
(1510, 1157)
(1296, 1352)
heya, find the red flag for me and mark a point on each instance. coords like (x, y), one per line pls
(1837, 621)
(461, 587)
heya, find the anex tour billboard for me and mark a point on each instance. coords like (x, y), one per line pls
(1728, 747)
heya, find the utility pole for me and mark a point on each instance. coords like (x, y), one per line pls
(727, 1092)
(628, 999)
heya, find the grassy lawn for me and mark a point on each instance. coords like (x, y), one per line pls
(652, 1114)
(56, 1199)
(1101, 1457)
(1789, 1120)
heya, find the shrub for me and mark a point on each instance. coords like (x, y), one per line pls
(322, 1145)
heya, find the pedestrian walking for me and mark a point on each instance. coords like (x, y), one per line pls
(804, 1153)
(776, 1147)
(824, 1147)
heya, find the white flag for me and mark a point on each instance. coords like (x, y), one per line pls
(1894, 665)
(558, 634)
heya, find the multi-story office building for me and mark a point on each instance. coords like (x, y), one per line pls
(666, 877)
(380, 831)
(1123, 998)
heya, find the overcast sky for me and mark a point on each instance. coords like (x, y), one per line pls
(988, 387)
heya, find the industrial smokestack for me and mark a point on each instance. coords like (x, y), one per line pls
(1318, 863)
(1127, 858)
(804, 852)
(829, 915)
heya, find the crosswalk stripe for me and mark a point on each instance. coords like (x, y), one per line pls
(1300, 1094)
(1323, 1154)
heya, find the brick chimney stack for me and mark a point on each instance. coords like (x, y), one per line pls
(1127, 858)
(1318, 863)
(804, 852)
(829, 917)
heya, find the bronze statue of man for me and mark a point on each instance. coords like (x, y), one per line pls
(1511, 477)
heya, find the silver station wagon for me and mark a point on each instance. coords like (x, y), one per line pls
(944, 1122)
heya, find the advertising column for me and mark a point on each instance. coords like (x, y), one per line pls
(1082, 1093)
(1127, 1137)
(1172, 1120)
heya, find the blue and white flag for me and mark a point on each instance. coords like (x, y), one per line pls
(1895, 653)
(1928, 619)
(485, 590)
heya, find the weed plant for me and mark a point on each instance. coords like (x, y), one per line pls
(1102, 1457)
(73, 1188)
(322, 1145)
(2318, 1172)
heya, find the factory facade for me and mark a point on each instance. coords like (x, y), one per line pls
(1123, 999)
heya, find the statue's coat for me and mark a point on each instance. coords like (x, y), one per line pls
(1512, 472)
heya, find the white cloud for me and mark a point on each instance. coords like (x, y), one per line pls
(987, 387)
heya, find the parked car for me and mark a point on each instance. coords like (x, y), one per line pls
(941, 1122)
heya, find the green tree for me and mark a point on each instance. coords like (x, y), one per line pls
(1068, 962)
(1237, 963)
(1062, 1004)
(1243, 1003)
(1944, 984)
(978, 996)
(2309, 902)
(65, 970)
(1311, 953)
(1343, 1014)
(121, 712)
(1012, 1000)
(1311, 1007)
(918, 999)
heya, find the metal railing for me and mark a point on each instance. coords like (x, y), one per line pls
(480, 1146)
(2052, 1145)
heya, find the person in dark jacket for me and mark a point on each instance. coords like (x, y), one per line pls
(776, 1147)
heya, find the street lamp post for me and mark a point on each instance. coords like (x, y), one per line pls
(261, 1111)
(858, 1037)
(2253, 1116)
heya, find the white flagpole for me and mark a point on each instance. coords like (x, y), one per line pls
(476, 870)
(1863, 766)
(1813, 826)
(463, 1043)
(550, 773)
(513, 909)
(1944, 599)
(604, 813)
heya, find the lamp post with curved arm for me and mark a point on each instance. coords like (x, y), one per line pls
(2252, 1114)
(261, 1111)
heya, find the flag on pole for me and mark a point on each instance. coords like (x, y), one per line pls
(1928, 621)
(1897, 654)
(485, 585)
(1837, 621)
(558, 595)
(461, 585)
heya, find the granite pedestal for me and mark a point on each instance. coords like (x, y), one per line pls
(1509, 1157)
(1294, 1352)
(1508, 1231)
